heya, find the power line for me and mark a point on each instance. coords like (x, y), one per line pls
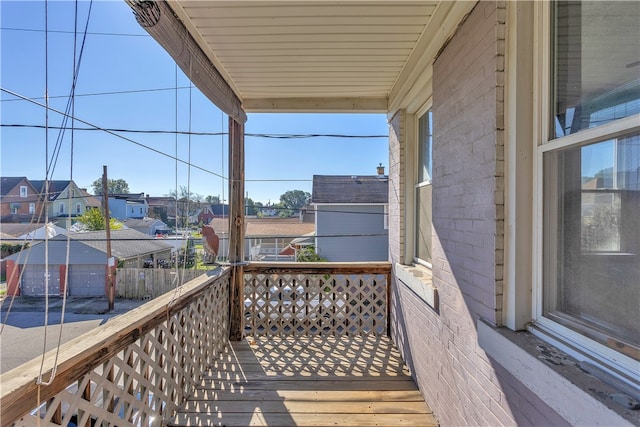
(118, 92)
(172, 132)
(37, 30)
(116, 135)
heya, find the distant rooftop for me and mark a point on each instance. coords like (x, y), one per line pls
(345, 189)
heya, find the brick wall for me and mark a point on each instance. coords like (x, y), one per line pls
(458, 380)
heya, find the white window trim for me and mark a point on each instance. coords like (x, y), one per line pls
(386, 216)
(24, 191)
(32, 208)
(577, 345)
(413, 148)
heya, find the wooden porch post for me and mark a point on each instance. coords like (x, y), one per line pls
(236, 227)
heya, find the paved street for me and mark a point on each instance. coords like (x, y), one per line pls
(23, 333)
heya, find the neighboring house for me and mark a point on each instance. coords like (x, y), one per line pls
(162, 208)
(65, 201)
(149, 226)
(265, 238)
(87, 262)
(19, 201)
(351, 215)
(127, 205)
(205, 215)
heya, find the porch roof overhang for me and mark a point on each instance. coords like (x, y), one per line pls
(308, 56)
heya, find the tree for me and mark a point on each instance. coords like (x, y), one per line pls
(188, 204)
(292, 200)
(212, 200)
(115, 186)
(251, 207)
(308, 254)
(93, 220)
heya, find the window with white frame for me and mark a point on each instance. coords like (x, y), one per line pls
(423, 188)
(61, 208)
(78, 208)
(591, 180)
(24, 192)
(32, 208)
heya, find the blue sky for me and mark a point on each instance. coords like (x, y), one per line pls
(128, 63)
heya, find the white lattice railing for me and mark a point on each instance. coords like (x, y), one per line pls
(134, 370)
(305, 299)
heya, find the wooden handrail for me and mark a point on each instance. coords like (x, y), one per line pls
(86, 352)
(319, 267)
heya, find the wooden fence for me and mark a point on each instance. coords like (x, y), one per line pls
(149, 283)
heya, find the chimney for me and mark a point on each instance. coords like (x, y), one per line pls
(380, 170)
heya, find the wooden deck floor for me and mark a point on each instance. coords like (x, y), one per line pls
(307, 382)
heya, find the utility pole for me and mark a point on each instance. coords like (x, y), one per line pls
(109, 285)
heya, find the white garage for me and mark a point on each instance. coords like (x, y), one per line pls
(86, 280)
(33, 280)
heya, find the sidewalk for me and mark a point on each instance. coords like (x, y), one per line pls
(78, 305)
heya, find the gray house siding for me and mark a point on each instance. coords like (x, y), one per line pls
(351, 233)
(440, 344)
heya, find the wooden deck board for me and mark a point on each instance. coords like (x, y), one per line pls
(307, 382)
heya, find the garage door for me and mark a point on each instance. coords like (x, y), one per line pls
(33, 280)
(86, 280)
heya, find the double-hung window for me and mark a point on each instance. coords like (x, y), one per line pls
(590, 165)
(423, 189)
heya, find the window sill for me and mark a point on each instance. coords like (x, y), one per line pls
(418, 279)
(556, 378)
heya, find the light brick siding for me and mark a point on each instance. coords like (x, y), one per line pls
(461, 384)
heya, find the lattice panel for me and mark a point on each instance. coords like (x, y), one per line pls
(150, 378)
(306, 305)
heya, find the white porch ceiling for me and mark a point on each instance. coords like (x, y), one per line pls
(319, 55)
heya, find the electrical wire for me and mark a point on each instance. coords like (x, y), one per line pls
(162, 153)
(192, 133)
(37, 30)
(119, 92)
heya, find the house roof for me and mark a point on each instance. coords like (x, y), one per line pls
(278, 228)
(125, 243)
(17, 230)
(300, 55)
(160, 201)
(141, 223)
(346, 189)
(267, 227)
(90, 200)
(56, 187)
(8, 183)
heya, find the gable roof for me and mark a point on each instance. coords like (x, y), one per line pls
(56, 187)
(8, 183)
(125, 243)
(346, 189)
